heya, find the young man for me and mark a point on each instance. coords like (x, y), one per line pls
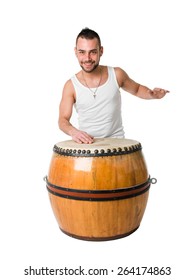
(94, 91)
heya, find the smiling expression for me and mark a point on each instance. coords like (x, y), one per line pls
(88, 53)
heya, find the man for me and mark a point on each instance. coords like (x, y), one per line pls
(94, 91)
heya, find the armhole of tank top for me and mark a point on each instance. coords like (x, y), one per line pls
(114, 76)
(73, 80)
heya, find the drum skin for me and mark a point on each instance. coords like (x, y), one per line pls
(98, 195)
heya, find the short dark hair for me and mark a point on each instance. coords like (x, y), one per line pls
(88, 34)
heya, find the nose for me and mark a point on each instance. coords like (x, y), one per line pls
(88, 56)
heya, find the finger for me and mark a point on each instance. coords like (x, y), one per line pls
(77, 140)
(88, 136)
(85, 138)
(161, 90)
(156, 89)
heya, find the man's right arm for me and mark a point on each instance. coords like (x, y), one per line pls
(65, 113)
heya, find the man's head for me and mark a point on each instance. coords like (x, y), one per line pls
(88, 49)
(88, 34)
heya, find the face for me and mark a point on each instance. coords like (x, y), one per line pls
(88, 53)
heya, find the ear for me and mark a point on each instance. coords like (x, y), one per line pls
(75, 51)
(101, 51)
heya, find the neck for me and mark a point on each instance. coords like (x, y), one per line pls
(94, 73)
(93, 82)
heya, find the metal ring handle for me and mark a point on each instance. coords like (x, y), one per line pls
(45, 178)
(153, 180)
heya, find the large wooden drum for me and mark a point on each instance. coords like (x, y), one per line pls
(98, 191)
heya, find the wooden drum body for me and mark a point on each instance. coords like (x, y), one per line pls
(98, 191)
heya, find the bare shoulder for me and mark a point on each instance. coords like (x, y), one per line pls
(67, 100)
(121, 75)
(125, 82)
(68, 89)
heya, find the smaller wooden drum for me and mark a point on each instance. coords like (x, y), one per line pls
(98, 191)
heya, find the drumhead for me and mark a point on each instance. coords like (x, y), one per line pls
(100, 147)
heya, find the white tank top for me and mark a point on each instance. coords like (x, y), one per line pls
(100, 116)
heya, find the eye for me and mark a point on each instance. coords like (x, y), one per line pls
(94, 51)
(81, 52)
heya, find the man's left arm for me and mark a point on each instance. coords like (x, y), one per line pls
(146, 93)
(129, 85)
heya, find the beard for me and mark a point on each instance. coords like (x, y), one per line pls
(93, 66)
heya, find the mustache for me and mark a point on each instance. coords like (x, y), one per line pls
(88, 61)
(93, 68)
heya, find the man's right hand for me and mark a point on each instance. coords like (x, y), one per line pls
(81, 137)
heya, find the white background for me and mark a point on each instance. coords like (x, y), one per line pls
(153, 42)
